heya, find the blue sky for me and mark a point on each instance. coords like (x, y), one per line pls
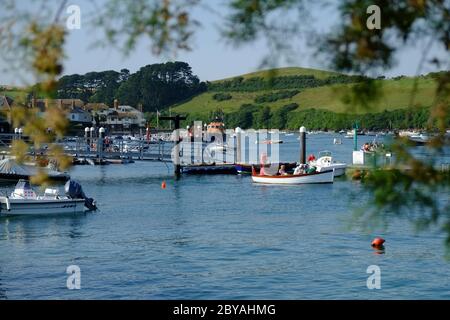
(211, 58)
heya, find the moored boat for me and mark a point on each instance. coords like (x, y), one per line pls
(24, 200)
(293, 179)
(245, 168)
(326, 162)
(10, 170)
(209, 169)
(419, 139)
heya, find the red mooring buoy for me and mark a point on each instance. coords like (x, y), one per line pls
(378, 242)
(163, 185)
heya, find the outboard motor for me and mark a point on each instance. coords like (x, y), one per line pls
(74, 190)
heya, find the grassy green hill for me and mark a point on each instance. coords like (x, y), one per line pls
(289, 97)
(397, 94)
(286, 98)
(289, 71)
(13, 92)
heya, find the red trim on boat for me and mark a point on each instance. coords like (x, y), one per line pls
(289, 175)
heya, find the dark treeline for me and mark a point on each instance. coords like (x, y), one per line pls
(290, 117)
(275, 96)
(154, 86)
(222, 96)
(283, 82)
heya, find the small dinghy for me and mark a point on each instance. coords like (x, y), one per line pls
(302, 178)
(24, 200)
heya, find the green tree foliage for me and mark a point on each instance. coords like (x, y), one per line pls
(156, 86)
(290, 117)
(275, 96)
(262, 118)
(243, 118)
(280, 116)
(91, 87)
(283, 82)
(222, 96)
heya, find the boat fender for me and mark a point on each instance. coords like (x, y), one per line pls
(8, 204)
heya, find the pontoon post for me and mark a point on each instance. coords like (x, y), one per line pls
(238, 132)
(303, 145)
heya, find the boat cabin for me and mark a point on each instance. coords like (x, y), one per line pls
(216, 127)
(23, 190)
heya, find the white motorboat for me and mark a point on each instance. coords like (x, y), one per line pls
(350, 134)
(419, 139)
(291, 179)
(24, 200)
(325, 162)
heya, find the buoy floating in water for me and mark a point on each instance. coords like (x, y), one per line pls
(163, 185)
(378, 243)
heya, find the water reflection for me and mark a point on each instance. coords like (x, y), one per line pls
(24, 229)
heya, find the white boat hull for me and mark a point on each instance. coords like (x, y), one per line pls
(325, 163)
(318, 177)
(40, 207)
(339, 169)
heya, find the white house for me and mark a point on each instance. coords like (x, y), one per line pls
(72, 107)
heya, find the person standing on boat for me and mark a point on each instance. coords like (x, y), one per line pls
(263, 159)
(311, 157)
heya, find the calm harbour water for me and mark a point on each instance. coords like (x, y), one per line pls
(217, 237)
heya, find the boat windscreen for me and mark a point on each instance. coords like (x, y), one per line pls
(23, 184)
(325, 153)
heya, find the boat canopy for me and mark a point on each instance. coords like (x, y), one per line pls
(9, 166)
(23, 184)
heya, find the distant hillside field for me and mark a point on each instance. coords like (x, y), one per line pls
(14, 93)
(289, 71)
(283, 98)
(397, 94)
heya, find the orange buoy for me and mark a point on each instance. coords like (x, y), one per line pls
(163, 185)
(378, 242)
